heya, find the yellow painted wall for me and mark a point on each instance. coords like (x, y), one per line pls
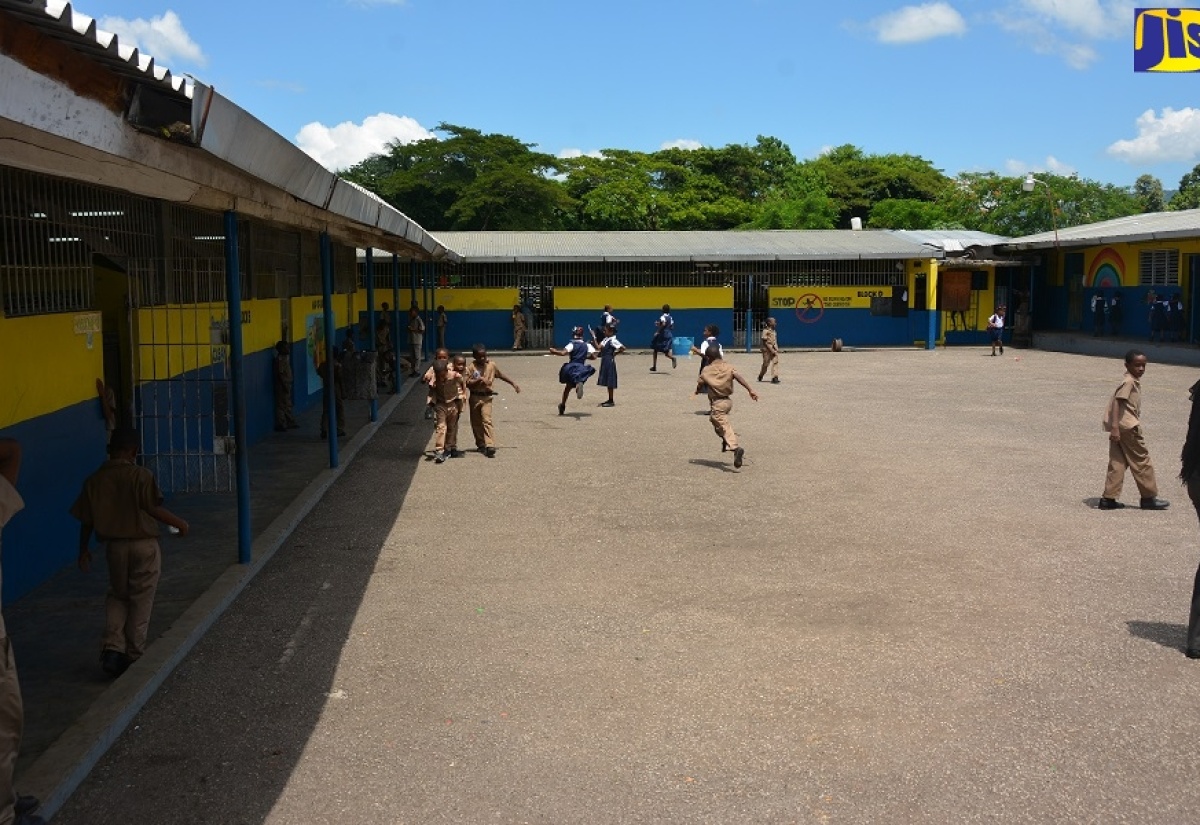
(592, 298)
(174, 339)
(1121, 260)
(833, 297)
(61, 357)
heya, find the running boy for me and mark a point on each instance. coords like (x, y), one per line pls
(1126, 445)
(717, 379)
(122, 504)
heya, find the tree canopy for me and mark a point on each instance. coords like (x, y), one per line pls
(465, 179)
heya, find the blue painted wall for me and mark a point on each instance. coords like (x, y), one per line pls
(637, 325)
(59, 451)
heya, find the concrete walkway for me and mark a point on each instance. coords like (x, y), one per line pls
(904, 608)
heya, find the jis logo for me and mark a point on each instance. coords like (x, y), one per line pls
(1166, 40)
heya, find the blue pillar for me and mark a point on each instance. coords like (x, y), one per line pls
(330, 383)
(396, 317)
(233, 294)
(371, 322)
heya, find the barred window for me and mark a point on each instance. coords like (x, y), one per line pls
(1158, 267)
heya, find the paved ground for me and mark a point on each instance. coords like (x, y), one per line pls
(905, 608)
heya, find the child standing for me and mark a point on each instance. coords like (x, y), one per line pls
(577, 370)
(1126, 445)
(482, 375)
(610, 348)
(122, 504)
(717, 378)
(996, 329)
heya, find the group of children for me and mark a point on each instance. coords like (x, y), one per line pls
(453, 385)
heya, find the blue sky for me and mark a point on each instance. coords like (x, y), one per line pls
(1009, 86)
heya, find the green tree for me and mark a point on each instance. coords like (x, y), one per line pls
(907, 213)
(467, 181)
(1149, 192)
(802, 202)
(858, 181)
(998, 204)
(1188, 195)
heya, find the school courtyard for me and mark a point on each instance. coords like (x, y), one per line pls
(904, 608)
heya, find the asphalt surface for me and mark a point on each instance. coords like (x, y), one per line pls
(904, 608)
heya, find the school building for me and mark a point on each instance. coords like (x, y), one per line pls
(156, 241)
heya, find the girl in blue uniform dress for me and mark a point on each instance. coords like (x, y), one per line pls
(577, 370)
(610, 348)
(664, 338)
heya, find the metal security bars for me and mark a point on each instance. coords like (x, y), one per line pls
(54, 230)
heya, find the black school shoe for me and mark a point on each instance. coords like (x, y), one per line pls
(1154, 503)
(1109, 504)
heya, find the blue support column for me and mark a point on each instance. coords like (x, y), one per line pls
(330, 399)
(396, 317)
(371, 322)
(233, 295)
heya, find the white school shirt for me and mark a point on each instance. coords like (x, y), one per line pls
(572, 344)
(704, 347)
(614, 340)
(996, 322)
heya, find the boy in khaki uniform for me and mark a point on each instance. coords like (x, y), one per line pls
(717, 378)
(1126, 445)
(447, 389)
(481, 376)
(122, 504)
(13, 808)
(770, 352)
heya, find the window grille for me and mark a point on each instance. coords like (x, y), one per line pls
(1158, 267)
(52, 231)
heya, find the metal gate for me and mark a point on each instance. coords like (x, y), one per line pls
(180, 319)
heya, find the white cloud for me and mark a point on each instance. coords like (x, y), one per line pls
(163, 38)
(914, 24)
(1091, 19)
(567, 154)
(342, 146)
(1064, 27)
(1050, 164)
(682, 143)
(1172, 136)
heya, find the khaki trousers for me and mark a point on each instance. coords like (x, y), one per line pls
(12, 719)
(446, 432)
(1130, 453)
(133, 569)
(481, 420)
(284, 414)
(770, 360)
(720, 421)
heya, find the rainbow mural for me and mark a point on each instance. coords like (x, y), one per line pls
(1107, 269)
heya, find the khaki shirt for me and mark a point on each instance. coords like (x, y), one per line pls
(115, 500)
(718, 378)
(452, 389)
(488, 373)
(1130, 392)
(770, 341)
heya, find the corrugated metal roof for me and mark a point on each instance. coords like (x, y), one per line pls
(956, 238)
(61, 22)
(815, 244)
(1151, 226)
(224, 130)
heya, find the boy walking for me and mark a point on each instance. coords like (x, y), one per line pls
(770, 352)
(122, 504)
(482, 374)
(1126, 445)
(717, 379)
(447, 390)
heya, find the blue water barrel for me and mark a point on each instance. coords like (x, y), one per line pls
(681, 346)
